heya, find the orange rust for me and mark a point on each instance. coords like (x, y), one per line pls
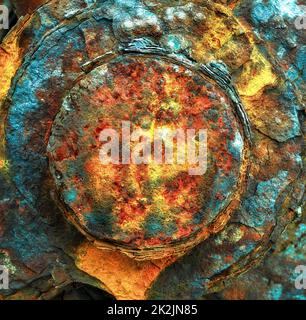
(120, 275)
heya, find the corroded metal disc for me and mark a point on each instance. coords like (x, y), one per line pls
(147, 205)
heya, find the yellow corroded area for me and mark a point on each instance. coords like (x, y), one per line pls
(232, 41)
(11, 56)
(256, 75)
(214, 39)
(120, 275)
(10, 60)
(4, 164)
(224, 34)
(221, 28)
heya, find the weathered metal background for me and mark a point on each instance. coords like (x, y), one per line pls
(70, 68)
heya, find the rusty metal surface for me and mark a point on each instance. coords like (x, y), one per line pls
(72, 68)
